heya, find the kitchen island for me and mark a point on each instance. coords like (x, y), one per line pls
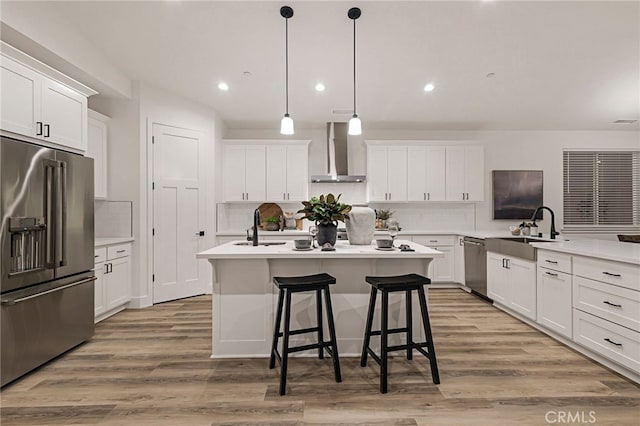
(244, 297)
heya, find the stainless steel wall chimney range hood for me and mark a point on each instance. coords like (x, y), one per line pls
(337, 157)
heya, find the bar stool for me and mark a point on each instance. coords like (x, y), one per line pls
(287, 286)
(386, 285)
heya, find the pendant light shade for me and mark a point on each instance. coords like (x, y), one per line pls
(355, 126)
(286, 124)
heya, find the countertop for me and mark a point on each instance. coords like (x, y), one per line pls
(343, 250)
(107, 241)
(601, 249)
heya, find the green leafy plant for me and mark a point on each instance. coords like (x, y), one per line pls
(325, 209)
(272, 219)
(384, 214)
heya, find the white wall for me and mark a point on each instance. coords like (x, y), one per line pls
(504, 150)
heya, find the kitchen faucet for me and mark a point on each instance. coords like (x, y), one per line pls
(256, 223)
(553, 221)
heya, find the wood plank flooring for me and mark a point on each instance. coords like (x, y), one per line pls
(152, 366)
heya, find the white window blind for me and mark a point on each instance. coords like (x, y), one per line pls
(601, 189)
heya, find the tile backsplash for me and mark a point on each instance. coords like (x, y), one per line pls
(113, 218)
(237, 217)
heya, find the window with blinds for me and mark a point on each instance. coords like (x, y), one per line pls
(601, 189)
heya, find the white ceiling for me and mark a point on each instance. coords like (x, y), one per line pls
(557, 65)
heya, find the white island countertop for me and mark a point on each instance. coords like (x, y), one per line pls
(234, 250)
(601, 249)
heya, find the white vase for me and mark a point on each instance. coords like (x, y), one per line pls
(360, 224)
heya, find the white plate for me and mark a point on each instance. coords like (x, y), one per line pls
(304, 249)
(385, 248)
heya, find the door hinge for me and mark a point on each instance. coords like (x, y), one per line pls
(153, 231)
(153, 278)
(153, 186)
(153, 139)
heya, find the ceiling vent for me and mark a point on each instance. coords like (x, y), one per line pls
(624, 121)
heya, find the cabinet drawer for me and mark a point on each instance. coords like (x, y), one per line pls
(434, 240)
(617, 273)
(100, 254)
(554, 260)
(608, 339)
(607, 301)
(121, 250)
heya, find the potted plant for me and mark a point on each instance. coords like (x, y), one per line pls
(526, 228)
(272, 223)
(325, 212)
(382, 216)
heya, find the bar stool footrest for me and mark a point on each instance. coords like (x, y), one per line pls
(301, 331)
(390, 331)
(308, 347)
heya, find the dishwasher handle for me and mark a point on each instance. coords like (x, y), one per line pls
(472, 243)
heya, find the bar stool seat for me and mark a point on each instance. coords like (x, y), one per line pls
(386, 285)
(287, 285)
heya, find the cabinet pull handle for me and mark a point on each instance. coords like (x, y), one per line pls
(247, 195)
(428, 195)
(551, 274)
(38, 128)
(120, 251)
(612, 342)
(611, 274)
(96, 256)
(433, 241)
(46, 131)
(551, 261)
(284, 195)
(425, 196)
(243, 195)
(287, 195)
(612, 304)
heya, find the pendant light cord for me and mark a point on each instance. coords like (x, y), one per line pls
(286, 55)
(354, 67)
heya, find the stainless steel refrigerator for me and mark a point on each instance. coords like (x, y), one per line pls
(47, 249)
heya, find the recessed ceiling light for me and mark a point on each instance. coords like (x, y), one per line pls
(429, 87)
(320, 87)
(223, 86)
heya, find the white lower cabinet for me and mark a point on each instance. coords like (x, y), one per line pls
(554, 301)
(608, 339)
(511, 281)
(441, 269)
(113, 279)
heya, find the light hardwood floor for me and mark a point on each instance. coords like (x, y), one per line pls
(152, 366)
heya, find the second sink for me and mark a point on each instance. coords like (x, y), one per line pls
(516, 247)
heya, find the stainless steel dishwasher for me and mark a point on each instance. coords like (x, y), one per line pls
(475, 266)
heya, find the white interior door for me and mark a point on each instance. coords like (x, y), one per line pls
(178, 213)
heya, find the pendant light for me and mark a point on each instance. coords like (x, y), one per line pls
(286, 125)
(355, 127)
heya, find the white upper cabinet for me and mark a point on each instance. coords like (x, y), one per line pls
(426, 173)
(97, 149)
(387, 173)
(64, 115)
(287, 173)
(265, 170)
(20, 96)
(42, 104)
(465, 173)
(244, 173)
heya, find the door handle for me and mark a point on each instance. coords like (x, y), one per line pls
(49, 190)
(201, 234)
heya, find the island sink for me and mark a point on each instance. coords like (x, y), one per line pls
(516, 246)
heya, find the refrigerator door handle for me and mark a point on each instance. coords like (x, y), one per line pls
(61, 212)
(53, 290)
(49, 208)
